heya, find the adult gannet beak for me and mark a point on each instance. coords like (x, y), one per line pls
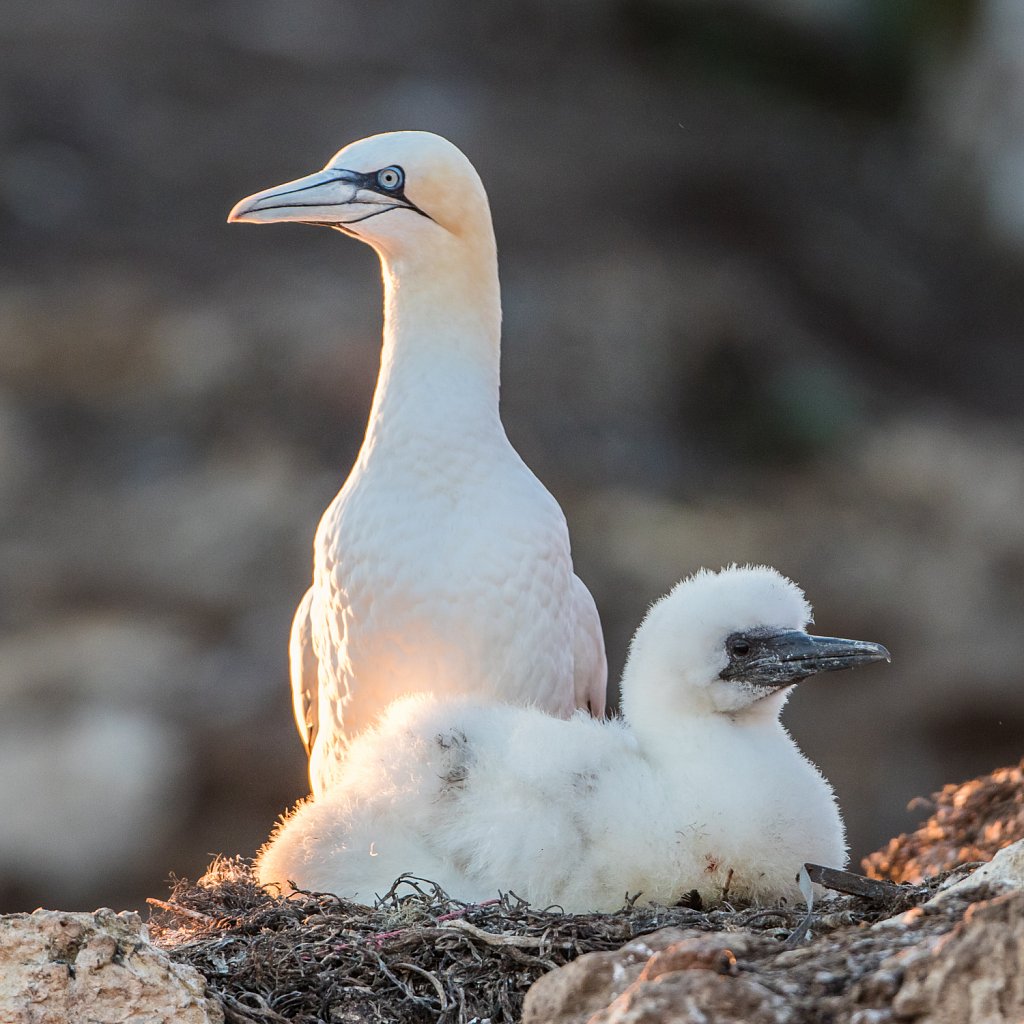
(786, 657)
(333, 197)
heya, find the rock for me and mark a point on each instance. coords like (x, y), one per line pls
(946, 961)
(99, 968)
(572, 994)
(688, 996)
(973, 975)
(1003, 873)
(696, 979)
(661, 978)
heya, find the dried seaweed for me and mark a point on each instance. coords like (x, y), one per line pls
(970, 821)
(418, 955)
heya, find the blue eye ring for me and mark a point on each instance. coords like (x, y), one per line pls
(391, 179)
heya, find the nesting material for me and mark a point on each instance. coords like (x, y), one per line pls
(419, 956)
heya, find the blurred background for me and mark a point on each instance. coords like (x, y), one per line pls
(762, 287)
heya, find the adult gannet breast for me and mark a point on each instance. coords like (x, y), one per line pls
(698, 787)
(443, 565)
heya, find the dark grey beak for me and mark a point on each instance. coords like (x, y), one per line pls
(783, 658)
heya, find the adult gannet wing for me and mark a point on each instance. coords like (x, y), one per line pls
(590, 665)
(302, 663)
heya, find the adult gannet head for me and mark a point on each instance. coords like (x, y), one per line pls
(729, 643)
(395, 190)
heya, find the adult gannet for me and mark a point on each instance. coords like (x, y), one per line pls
(443, 565)
(699, 787)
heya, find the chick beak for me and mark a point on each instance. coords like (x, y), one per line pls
(788, 657)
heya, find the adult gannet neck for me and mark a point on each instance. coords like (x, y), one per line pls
(705, 790)
(442, 342)
(443, 565)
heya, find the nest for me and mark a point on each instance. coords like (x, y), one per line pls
(418, 955)
(969, 822)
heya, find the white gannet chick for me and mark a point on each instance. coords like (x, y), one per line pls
(699, 787)
(443, 565)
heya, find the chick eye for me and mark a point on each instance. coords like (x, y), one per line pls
(740, 648)
(391, 178)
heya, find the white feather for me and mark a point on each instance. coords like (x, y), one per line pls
(679, 796)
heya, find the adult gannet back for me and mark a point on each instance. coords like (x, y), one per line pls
(443, 565)
(700, 787)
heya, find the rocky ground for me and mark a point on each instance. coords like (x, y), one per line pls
(761, 271)
(954, 962)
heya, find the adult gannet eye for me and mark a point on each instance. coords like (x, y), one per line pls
(739, 647)
(391, 178)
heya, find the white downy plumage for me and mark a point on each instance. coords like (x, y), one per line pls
(443, 565)
(700, 787)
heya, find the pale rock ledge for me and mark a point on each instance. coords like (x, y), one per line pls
(98, 968)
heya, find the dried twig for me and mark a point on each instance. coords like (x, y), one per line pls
(175, 908)
(442, 998)
(522, 941)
